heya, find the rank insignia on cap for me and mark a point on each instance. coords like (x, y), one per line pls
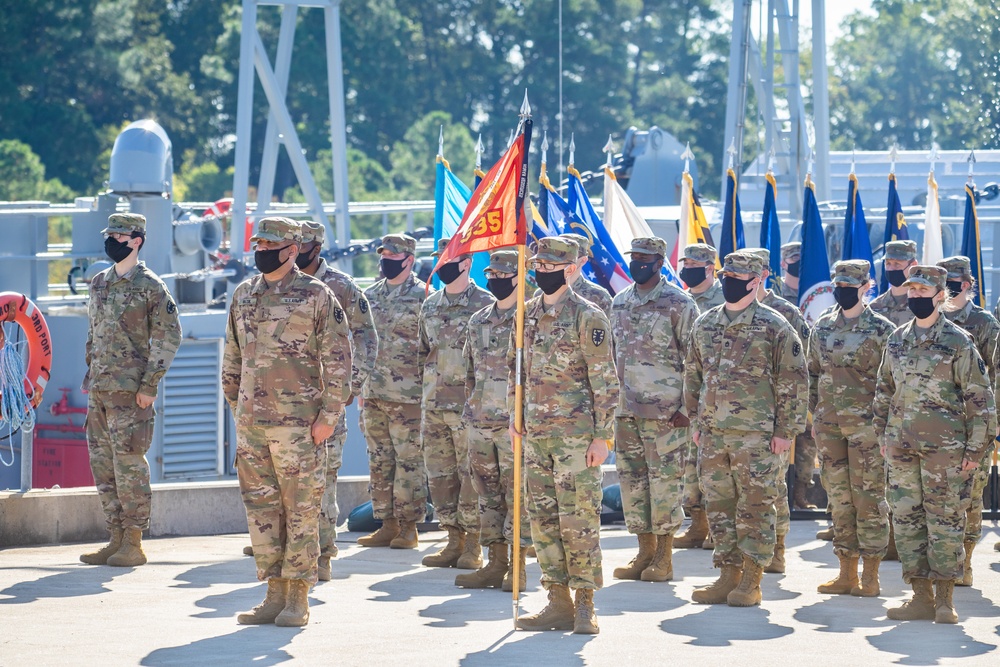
(597, 335)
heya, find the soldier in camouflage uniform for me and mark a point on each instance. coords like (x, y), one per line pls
(745, 387)
(390, 409)
(845, 350)
(570, 395)
(364, 352)
(935, 417)
(791, 258)
(899, 257)
(133, 335)
(698, 273)
(984, 330)
(491, 458)
(286, 375)
(444, 318)
(651, 322)
(794, 317)
(589, 290)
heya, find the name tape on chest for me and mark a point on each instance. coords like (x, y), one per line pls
(292, 300)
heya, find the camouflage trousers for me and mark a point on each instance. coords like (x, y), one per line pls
(395, 460)
(929, 496)
(564, 505)
(739, 479)
(805, 455)
(974, 515)
(329, 509)
(651, 457)
(692, 484)
(854, 475)
(491, 461)
(119, 433)
(446, 458)
(282, 473)
(782, 511)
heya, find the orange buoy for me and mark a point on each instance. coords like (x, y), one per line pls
(21, 310)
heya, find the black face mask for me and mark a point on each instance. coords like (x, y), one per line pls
(954, 287)
(734, 289)
(895, 278)
(846, 296)
(391, 267)
(267, 261)
(302, 260)
(643, 271)
(693, 276)
(501, 288)
(793, 269)
(116, 250)
(550, 281)
(922, 306)
(450, 272)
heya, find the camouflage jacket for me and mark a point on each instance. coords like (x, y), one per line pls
(364, 338)
(486, 364)
(570, 384)
(592, 292)
(398, 375)
(844, 356)
(287, 360)
(134, 331)
(896, 310)
(710, 298)
(444, 319)
(651, 332)
(984, 330)
(933, 392)
(790, 312)
(789, 294)
(746, 375)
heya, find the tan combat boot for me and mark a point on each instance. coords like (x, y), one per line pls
(248, 551)
(777, 564)
(100, 557)
(944, 608)
(632, 571)
(845, 581)
(799, 500)
(558, 614)
(662, 567)
(407, 538)
(522, 578)
(918, 608)
(273, 604)
(695, 535)
(448, 556)
(130, 554)
(718, 592)
(747, 594)
(869, 586)
(825, 534)
(585, 622)
(996, 547)
(709, 543)
(324, 569)
(472, 555)
(382, 537)
(490, 575)
(966, 579)
(296, 611)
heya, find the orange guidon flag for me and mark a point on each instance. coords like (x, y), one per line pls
(494, 217)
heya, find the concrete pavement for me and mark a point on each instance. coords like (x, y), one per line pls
(383, 608)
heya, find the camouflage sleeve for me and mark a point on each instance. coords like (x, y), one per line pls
(595, 334)
(693, 378)
(791, 384)
(684, 323)
(164, 338)
(989, 349)
(365, 339)
(512, 373)
(423, 344)
(996, 375)
(470, 370)
(885, 389)
(232, 362)
(89, 349)
(815, 370)
(334, 342)
(969, 374)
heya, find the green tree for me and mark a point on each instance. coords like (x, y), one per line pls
(22, 176)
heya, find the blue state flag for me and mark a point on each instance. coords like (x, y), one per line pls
(451, 197)
(971, 243)
(770, 229)
(732, 238)
(815, 289)
(607, 264)
(857, 244)
(895, 226)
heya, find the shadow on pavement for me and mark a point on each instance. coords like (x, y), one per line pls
(226, 572)
(536, 648)
(928, 643)
(844, 613)
(474, 606)
(259, 645)
(637, 596)
(721, 625)
(68, 583)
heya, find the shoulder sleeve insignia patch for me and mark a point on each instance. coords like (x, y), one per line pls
(171, 306)
(796, 349)
(982, 366)
(363, 304)
(338, 314)
(597, 335)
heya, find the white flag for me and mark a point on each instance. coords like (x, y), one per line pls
(933, 247)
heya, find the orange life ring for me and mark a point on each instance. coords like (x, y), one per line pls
(20, 309)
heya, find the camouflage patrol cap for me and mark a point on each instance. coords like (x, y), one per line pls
(742, 262)
(313, 231)
(125, 223)
(585, 242)
(902, 250)
(763, 253)
(556, 250)
(650, 245)
(278, 229)
(397, 243)
(958, 267)
(503, 261)
(792, 249)
(854, 272)
(932, 276)
(442, 244)
(700, 252)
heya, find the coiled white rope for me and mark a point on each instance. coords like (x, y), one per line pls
(16, 410)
